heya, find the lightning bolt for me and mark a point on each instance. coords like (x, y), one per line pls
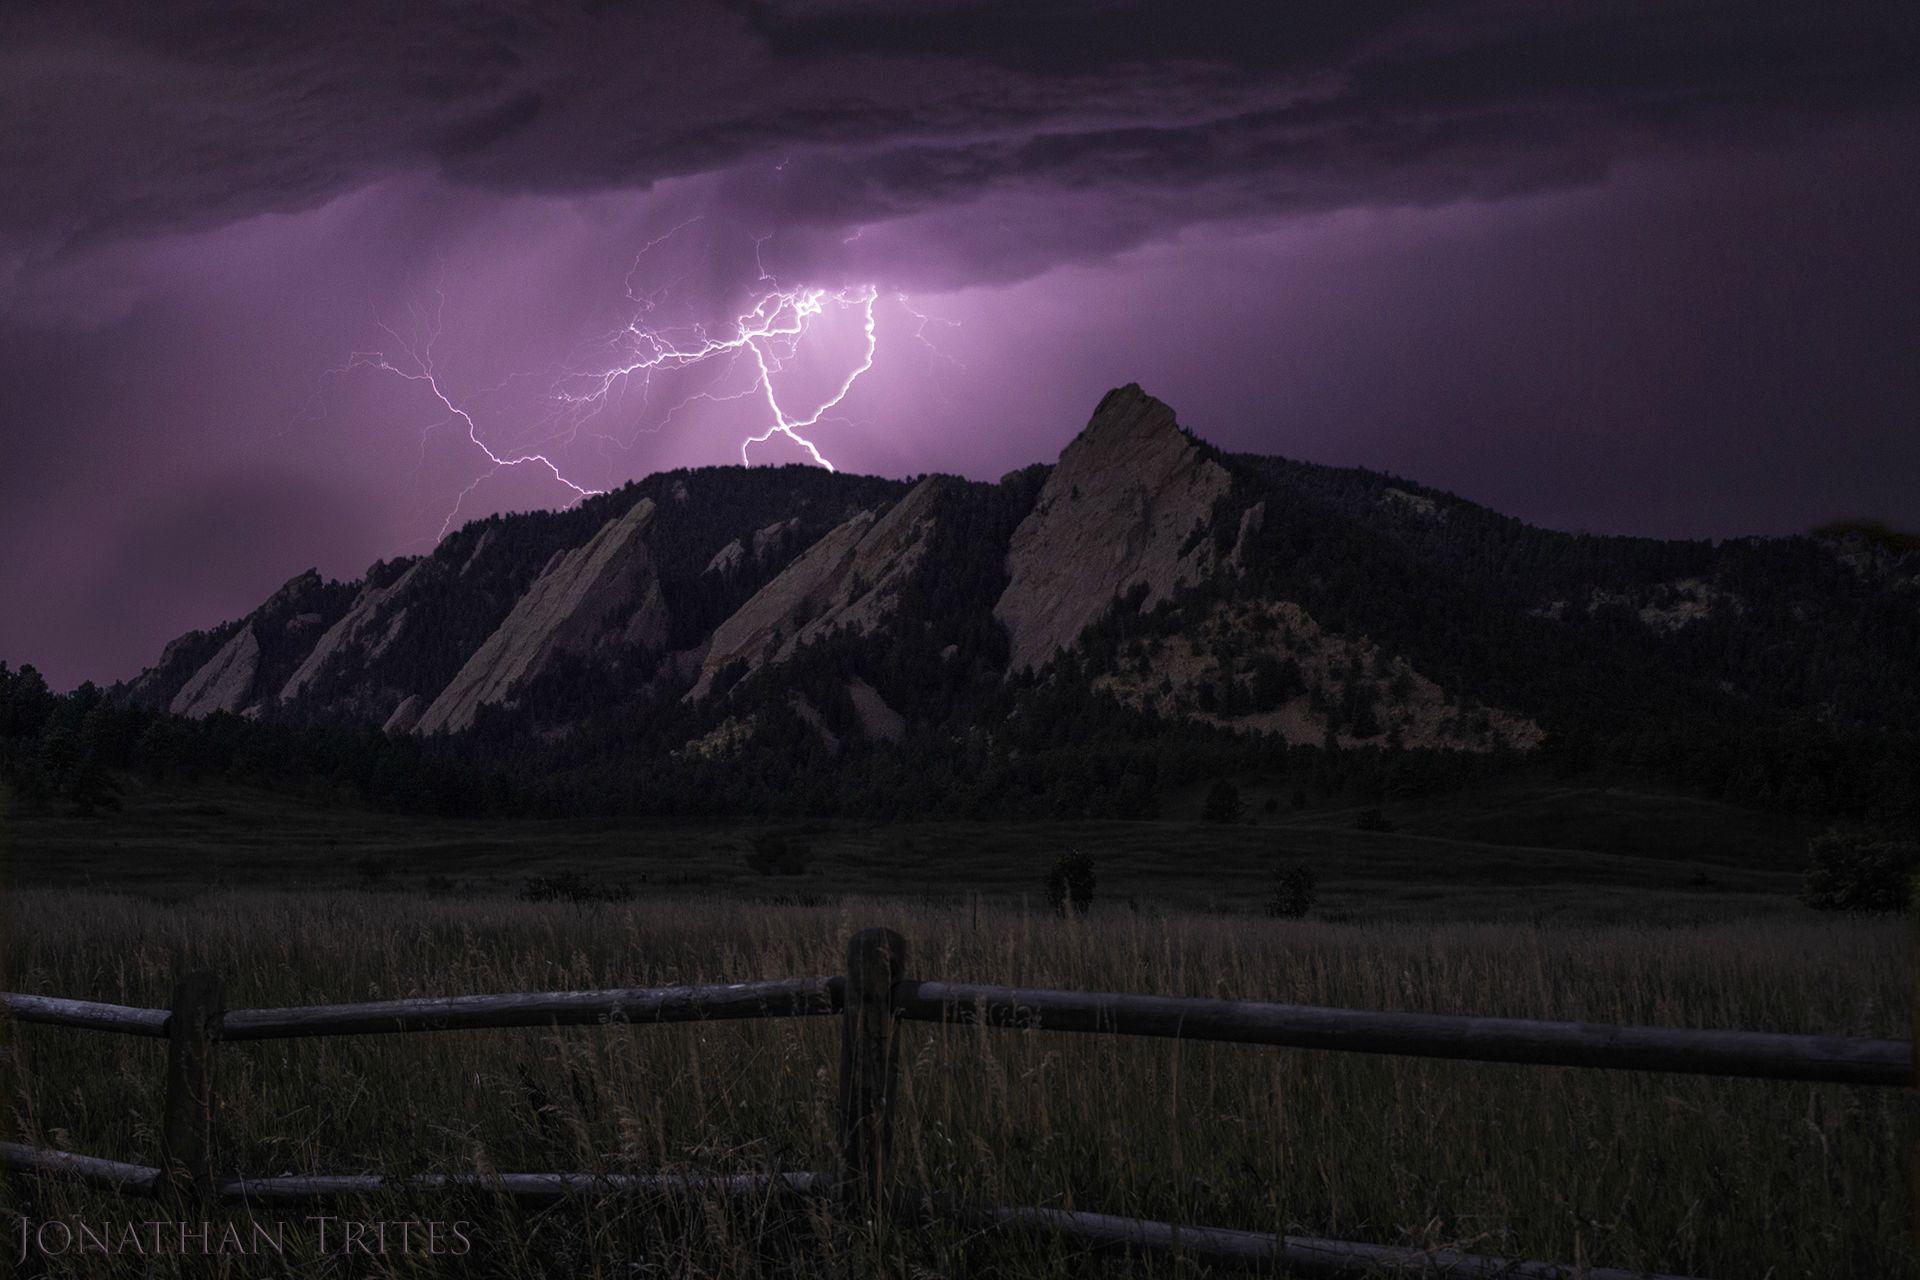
(765, 337)
(414, 363)
(749, 351)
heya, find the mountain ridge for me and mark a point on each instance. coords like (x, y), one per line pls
(1145, 575)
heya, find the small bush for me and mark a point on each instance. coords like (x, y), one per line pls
(1223, 802)
(1295, 891)
(372, 870)
(1860, 872)
(1070, 883)
(571, 886)
(773, 854)
(1372, 820)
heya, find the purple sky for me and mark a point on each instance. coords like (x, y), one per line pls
(1595, 268)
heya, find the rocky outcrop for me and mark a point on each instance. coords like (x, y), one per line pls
(1267, 667)
(1412, 503)
(406, 715)
(358, 621)
(877, 720)
(1252, 521)
(1660, 606)
(568, 609)
(811, 717)
(480, 548)
(149, 688)
(850, 578)
(767, 542)
(225, 681)
(1119, 509)
(1676, 604)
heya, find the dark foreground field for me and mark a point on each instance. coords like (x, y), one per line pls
(1696, 1176)
(1518, 851)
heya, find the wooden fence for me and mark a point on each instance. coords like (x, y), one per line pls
(871, 999)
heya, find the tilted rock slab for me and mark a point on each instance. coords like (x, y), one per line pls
(1123, 500)
(225, 681)
(404, 716)
(727, 558)
(366, 609)
(878, 720)
(850, 578)
(564, 611)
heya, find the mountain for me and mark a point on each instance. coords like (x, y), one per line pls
(1074, 635)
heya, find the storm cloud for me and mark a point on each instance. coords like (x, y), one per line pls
(136, 119)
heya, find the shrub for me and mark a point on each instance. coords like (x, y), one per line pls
(1223, 802)
(774, 854)
(372, 870)
(571, 886)
(1372, 820)
(1070, 883)
(1295, 891)
(1860, 872)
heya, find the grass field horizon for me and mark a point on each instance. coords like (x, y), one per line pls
(1521, 850)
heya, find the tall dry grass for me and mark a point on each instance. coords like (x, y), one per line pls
(1697, 1176)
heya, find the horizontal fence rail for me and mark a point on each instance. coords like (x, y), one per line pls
(1215, 1246)
(1756, 1054)
(785, 998)
(84, 1015)
(1762, 1055)
(871, 999)
(1259, 1251)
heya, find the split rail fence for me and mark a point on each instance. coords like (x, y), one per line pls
(872, 998)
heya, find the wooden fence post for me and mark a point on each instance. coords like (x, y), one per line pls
(869, 1064)
(186, 1140)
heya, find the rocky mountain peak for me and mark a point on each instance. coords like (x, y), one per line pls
(1119, 509)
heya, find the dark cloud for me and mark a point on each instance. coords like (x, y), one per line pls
(132, 119)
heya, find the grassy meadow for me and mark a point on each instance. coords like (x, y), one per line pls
(1535, 852)
(1696, 1176)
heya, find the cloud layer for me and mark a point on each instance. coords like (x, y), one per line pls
(137, 119)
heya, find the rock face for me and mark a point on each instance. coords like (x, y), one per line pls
(1118, 510)
(149, 687)
(877, 719)
(359, 620)
(404, 716)
(566, 610)
(850, 578)
(479, 549)
(727, 559)
(1247, 645)
(225, 681)
(1252, 520)
(768, 541)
